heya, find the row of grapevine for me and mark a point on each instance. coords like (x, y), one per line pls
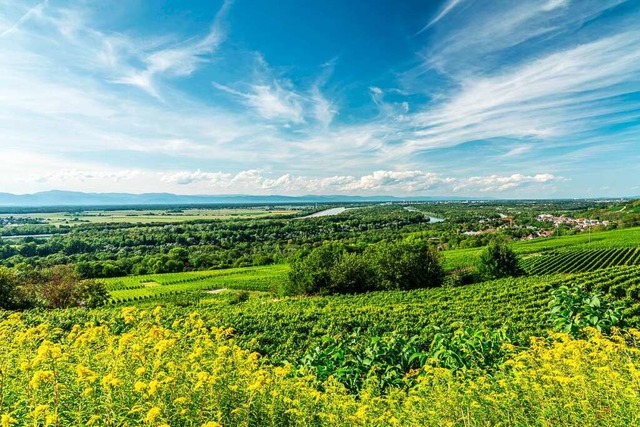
(575, 261)
(252, 279)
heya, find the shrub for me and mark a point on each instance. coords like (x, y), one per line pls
(350, 275)
(239, 297)
(91, 294)
(498, 260)
(60, 287)
(329, 269)
(377, 362)
(468, 348)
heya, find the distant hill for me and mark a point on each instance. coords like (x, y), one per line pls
(73, 198)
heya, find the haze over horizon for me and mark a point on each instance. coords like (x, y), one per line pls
(507, 99)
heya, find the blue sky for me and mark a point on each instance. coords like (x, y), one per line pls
(537, 98)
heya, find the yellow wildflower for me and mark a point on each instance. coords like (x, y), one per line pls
(7, 420)
(153, 414)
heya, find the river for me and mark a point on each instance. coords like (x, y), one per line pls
(326, 212)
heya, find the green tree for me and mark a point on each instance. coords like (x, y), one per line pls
(60, 286)
(8, 289)
(350, 275)
(311, 274)
(405, 265)
(498, 260)
(91, 294)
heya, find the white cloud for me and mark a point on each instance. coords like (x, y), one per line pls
(275, 102)
(448, 7)
(179, 60)
(497, 183)
(35, 11)
(552, 97)
(323, 110)
(554, 4)
(377, 182)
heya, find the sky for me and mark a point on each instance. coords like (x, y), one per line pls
(504, 98)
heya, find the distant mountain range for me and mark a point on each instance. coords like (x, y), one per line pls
(74, 198)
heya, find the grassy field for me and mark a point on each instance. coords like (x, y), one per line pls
(136, 288)
(148, 216)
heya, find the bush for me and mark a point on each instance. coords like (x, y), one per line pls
(91, 294)
(467, 348)
(239, 297)
(350, 275)
(462, 276)
(60, 287)
(377, 362)
(497, 261)
(573, 309)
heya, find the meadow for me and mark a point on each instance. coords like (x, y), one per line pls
(147, 216)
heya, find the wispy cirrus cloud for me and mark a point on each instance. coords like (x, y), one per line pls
(180, 59)
(34, 11)
(448, 7)
(551, 97)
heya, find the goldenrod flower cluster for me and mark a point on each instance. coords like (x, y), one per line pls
(193, 375)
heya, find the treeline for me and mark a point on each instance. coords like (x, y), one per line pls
(388, 266)
(331, 269)
(30, 229)
(120, 249)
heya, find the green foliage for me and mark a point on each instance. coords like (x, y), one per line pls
(462, 276)
(381, 362)
(405, 265)
(349, 275)
(91, 293)
(239, 297)
(312, 273)
(329, 269)
(468, 349)
(56, 287)
(573, 309)
(9, 296)
(498, 260)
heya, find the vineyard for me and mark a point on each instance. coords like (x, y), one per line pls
(147, 287)
(284, 328)
(566, 254)
(205, 362)
(579, 260)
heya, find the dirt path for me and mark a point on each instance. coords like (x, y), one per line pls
(216, 291)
